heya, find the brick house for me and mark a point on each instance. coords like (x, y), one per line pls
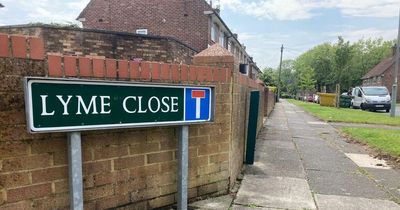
(194, 22)
(382, 75)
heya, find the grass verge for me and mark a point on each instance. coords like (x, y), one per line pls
(387, 141)
(331, 114)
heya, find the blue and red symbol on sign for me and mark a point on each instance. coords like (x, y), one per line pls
(198, 104)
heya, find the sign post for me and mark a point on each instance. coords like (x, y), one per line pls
(183, 160)
(75, 170)
(62, 105)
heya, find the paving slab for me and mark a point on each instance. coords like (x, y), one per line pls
(275, 192)
(288, 168)
(389, 179)
(276, 144)
(276, 154)
(347, 184)
(366, 161)
(328, 161)
(240, 207)
(334, 202)
(218, 203)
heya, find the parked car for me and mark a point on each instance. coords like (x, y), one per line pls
(310, 98)
(371, 98)
(316, 98)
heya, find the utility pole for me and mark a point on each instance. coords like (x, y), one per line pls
(396, 71)
(279, 76)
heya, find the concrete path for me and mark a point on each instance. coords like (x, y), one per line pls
(303, 163)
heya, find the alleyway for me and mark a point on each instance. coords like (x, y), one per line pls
(303, 163)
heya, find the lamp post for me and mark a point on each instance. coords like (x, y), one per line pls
(396, 71)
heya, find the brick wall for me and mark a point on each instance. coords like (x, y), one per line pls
(106, 44)
(269, 102)
(184, 20)
(135, 168)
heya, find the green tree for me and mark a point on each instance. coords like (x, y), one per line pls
(343, 56)
(307, 80)
(269, 77)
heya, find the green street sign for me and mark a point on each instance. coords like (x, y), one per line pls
(55, 105)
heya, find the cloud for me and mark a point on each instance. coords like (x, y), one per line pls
(356, 34)
(369, 8)
(272, 9)
(306, 9)
(47, 11)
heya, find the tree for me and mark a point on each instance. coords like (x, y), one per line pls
(328, 64)
(343, 56)
(307, 80)
(269, 77)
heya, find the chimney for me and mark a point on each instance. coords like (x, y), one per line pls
(218, 7)
(235, 35)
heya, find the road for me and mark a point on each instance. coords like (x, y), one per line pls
(303, 163)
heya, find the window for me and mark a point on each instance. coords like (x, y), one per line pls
(142, 31)
(214, 32)
(222, 39)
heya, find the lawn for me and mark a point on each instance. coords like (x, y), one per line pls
(331, 114)
(387, 141)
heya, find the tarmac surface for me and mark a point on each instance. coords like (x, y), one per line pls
(304, 163)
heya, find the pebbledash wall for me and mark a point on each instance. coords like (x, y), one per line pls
(130, 168)
(107, 44)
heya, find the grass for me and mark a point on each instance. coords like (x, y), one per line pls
(387, 141)
(331, 114)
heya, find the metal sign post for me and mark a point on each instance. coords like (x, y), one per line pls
(75, 170)
(183, 160)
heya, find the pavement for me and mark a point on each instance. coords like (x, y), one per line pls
(303, 163)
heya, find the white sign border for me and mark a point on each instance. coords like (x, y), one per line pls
(29, 112)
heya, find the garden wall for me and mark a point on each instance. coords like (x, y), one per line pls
(132, 168)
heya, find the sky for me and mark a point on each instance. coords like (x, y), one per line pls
(263, 25)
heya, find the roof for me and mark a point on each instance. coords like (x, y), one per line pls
(214, 50)
(84, 11)
(380, 68)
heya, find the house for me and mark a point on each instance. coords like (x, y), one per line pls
(382, 75)
(194, 22)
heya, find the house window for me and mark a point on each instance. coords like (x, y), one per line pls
(222, 39)
(214, 32)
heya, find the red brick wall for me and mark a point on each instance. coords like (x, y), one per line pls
(135, 168)
(183, 19)
(94, 43)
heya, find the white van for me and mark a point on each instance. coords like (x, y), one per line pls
(371, 98)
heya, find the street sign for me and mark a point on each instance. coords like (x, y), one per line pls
(55, 105)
